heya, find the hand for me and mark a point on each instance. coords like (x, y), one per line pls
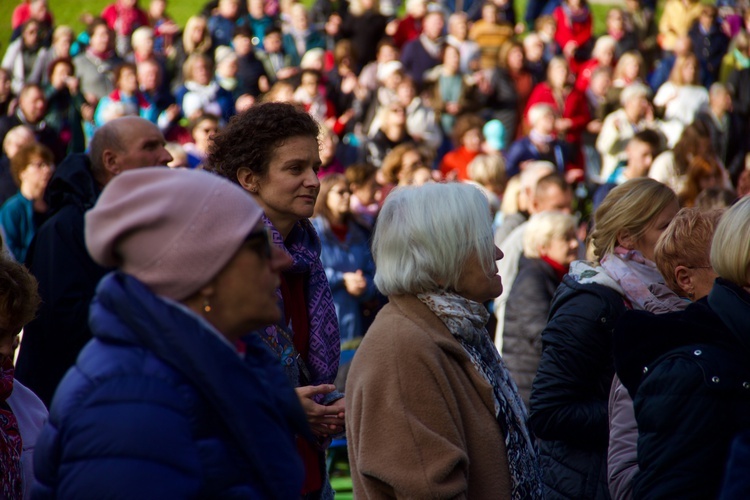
(355, 283)
(169, 28)
(173, 111)
(594, 126)
(574, 175)
(570, 49)
(563, 124)
(87, 112)
(392, 27)
(349, 83)
(285, 73)
(323, 420)
(452, 108)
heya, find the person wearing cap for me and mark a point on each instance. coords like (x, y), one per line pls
(165, 401)
(277, 165)
(57, 257)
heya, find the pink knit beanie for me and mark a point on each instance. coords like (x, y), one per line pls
(172, 229)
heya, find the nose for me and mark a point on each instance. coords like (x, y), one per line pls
(498, 253)
(280, 260)
(166, 157)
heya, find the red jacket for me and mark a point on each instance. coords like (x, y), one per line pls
(567, 30)
(575, 108)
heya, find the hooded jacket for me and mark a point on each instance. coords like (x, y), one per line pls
(67, 279)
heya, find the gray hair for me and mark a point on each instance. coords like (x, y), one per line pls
(426, 234)
(542, 228)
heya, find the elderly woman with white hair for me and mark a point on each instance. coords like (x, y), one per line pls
(620, 126)
(431, 410)
(690, 387)
(549, 246)
(540, 145)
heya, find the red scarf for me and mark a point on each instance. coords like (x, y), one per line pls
(10, 437)
(142, 102)
(560, 270)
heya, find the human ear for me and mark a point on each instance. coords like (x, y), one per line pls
(684, 279)
(109, 160)
(248, 179)
(625, 239)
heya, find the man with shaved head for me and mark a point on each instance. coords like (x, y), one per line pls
(58, 258)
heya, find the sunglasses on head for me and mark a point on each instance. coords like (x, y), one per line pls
(261, 241)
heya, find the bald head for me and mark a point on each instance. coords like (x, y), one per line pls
(124, 144)
(16, 138)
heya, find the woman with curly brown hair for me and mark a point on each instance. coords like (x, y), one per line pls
(278, 164)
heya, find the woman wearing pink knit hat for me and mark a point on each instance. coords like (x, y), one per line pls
(164, 401)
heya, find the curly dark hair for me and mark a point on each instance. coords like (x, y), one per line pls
(251, 137)
(19, 298)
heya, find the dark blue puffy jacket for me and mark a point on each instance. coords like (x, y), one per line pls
(159, 406)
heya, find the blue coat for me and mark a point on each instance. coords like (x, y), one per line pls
(347, 257)
(18, 222)
(523, 150)
(159, 406)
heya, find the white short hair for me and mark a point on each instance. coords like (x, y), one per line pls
(425, 234)
(603, 43)
(632, 91)
(140, 35)
(730, 249)
(542, 228)
(537, 111)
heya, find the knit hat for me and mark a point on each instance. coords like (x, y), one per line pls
(172, 229)
(494, 133)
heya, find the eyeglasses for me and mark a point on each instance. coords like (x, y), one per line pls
(261, 241)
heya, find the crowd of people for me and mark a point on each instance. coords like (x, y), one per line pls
(535, 237)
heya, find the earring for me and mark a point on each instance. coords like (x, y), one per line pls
(254, 189)
(206, 305)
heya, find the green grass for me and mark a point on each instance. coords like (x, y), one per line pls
(69, 11)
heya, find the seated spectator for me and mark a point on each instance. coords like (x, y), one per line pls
(123, 17)
(25, 57)
(345, 254)
(195, 39)
(22, 414)
(301, 37)
(127, 92)
(468, 138)
(737, 56)
(710, 44)
(629, 69)
(640, 14)
(201, 93)
(222, 24)
(363, 184)
(257, 22)
(490, 35)
(399, 167)
(620, 126)
(458, 33)
(452, 90)
(681, 97)
(66, 107)
(276, 62)
(425, 52)
(671, 166)
(702, 173)
(363, 24)
(251, 75)
(617, 27)
(95, 65)
(676, 20)
(409, 27)
(540, 144)
(421, 120)
(574, 30)
(16, 139)
(391, 133)
(24, 212)
(30, 111)
(640, 152)
(202, 128)
(725, 128)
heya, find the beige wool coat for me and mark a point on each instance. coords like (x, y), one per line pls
(420, 419)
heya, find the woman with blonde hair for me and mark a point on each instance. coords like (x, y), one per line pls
(681, 97)
(196, 39)
(629, 69)
(570, 392)
(549, 246)
(690, 389)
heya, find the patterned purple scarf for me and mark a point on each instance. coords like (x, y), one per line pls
(303, 246)
(10, 437)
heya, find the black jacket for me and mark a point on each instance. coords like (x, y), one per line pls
(525, 317)
(570, 392)
(690, 378)
(67, 279)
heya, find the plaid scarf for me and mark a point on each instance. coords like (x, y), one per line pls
(10, 438)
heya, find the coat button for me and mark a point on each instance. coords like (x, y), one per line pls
(746, 385)
(697, 352)
(715, 379)
(603, 320)
(645, 369)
